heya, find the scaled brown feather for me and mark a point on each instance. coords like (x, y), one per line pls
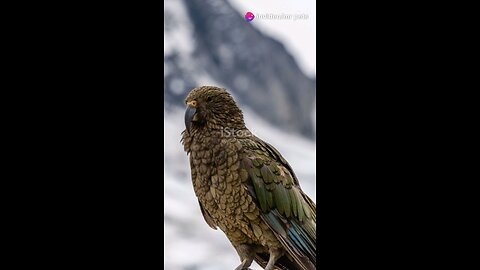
(245, 187)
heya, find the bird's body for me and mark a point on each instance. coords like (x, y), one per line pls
(245, 187)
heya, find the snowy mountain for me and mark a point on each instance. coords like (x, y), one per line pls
(208, 42)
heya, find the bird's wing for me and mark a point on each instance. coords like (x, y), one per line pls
(285, 208)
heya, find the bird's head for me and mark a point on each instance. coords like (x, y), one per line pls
(212, 107)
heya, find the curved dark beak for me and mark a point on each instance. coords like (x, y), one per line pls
(189, 113)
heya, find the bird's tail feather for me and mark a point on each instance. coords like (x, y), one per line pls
(299, 240)
(283, 263)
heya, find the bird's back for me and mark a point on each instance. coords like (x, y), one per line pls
(285, 208)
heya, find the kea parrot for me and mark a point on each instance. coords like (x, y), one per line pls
(245, 187)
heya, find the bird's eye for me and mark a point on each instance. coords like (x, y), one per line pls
(209, 99)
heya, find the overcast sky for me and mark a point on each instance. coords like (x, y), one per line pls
(298, 36)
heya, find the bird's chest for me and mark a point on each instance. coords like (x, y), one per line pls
(216, 184)
(221, 191)
(217, 178)
(219, 183)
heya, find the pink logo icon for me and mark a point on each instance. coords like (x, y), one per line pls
(249, 16)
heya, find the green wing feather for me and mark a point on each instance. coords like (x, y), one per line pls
(289, 212)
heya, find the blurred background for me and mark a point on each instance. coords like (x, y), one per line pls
(268, 65)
